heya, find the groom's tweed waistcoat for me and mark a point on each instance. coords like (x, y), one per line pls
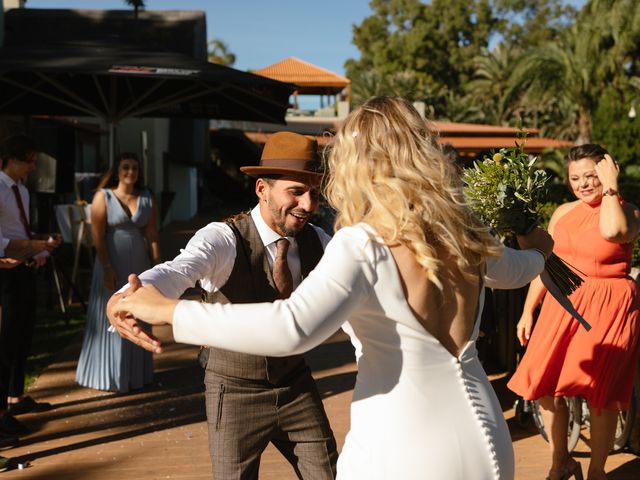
(251, 281)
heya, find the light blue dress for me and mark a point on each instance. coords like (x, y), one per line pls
(108, 362)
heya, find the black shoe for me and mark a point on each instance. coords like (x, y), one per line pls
(28, 404)
(6, 464)
(7, 441)
(11, 426)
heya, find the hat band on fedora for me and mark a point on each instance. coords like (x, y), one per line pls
(309, 165)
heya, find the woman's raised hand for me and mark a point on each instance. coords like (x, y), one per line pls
(607, 170)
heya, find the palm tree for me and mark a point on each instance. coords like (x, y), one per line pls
(619, 29)
(490, 89)
(589, 55)
(567, 69)
(461, 108)
(219, 53)
(366, 85)
(136, 4)
(373, 83)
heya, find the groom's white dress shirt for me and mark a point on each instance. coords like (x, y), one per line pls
(210, 254)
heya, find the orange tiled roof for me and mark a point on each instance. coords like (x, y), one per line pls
(473, 129)
(304, 74)
(444, 128)
(475, 145)
(464, 145)
(469, 139)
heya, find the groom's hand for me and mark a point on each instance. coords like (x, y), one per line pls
(126, 325)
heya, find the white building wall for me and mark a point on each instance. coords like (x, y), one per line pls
(129, 139)
(12, 4)
(183, 180)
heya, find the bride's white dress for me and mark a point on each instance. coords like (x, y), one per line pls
(418, 412)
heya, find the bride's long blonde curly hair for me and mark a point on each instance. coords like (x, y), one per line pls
(386, 169)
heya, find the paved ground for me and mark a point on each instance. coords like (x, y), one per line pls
(160, 432)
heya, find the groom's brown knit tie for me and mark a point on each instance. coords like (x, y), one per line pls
(282, 278)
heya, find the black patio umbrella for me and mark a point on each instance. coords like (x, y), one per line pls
(115, 82)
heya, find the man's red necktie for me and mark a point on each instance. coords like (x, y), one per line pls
(23, 216)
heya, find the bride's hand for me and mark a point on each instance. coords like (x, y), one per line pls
(147, 304)
(126, 325)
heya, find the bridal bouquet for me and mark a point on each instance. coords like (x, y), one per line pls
(507, 192)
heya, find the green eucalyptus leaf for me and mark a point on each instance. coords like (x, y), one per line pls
(506, 194)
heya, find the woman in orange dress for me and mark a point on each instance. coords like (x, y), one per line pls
(595, 234)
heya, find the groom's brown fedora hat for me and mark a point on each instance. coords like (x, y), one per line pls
(287, 153)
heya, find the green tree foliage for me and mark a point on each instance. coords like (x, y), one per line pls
(618, 33)
(573, 75)
(401, 84)
(525, 24)
(219, 53)
(490, 89)
(619, 133)
(440, 44)
(548, 65)
(565, 70)
(574, 69)
(435, 41)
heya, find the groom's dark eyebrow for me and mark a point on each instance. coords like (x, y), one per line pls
(299, 188)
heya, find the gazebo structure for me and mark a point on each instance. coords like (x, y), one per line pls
(310, 79)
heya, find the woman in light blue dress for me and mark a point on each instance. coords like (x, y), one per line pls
(124, 233)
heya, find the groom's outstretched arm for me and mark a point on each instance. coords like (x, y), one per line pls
(208, 257)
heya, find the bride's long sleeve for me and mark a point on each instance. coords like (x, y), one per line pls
(513, 269)
(317, 308)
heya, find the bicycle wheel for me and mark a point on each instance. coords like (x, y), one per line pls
(522, 413)
(575, 420)
(625, 425)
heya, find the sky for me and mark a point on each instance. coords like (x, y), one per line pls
(263, 32)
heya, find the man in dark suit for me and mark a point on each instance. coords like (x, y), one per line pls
(258, 257)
